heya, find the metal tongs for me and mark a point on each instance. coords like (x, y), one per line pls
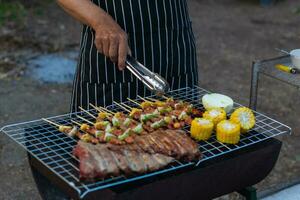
(153, 81)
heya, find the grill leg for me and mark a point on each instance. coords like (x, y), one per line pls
(249, 193)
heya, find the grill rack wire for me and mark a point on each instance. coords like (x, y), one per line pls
(54, 149)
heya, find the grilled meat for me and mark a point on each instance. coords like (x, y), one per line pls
(173, 143)
(149, 152)
(105, 160)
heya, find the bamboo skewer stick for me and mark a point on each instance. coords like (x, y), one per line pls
(85, 119)
(75, 122)
(99, 109)
(106, 110)
(50, 122)
(142, 98)
(134, 102)
(87, 112)
(151, 99)
(127, 106)
(165, 97)
(123, 107)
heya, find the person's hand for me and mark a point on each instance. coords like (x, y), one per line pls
(112, 41)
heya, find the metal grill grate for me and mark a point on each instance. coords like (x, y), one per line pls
(54, 149)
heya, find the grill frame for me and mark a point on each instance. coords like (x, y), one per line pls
(53, 149)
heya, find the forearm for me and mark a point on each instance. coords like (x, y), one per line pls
(109, 39)
(85, 11)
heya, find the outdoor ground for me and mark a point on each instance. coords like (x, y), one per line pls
(230, 35)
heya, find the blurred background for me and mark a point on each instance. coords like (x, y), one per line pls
(39, 46)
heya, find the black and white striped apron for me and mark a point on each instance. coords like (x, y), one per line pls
(160, 37)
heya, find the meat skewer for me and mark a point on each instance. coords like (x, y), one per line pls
(68, 130)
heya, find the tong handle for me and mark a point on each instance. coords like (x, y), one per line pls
(139, 71)
(152, 80)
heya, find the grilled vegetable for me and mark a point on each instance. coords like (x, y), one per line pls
(215, 100)
(64, 129)
(108, 136)
(164, 110)
(146, 117)
(73, 132)
(179, 105)
(177, 125)
(108, 129)
(146, 104)
(168, 119)
(135, 111)
(245, 117)
(86, 137)
(125, 134)
(138, 129)
(103, 115)
(183, 115)
(228, 132)
(201, 128)
(159, 103)
(84, 127)
(158, 124)
(116, 122)
(101, 125)
(189, 109)
(127, 122)
(215, 115)
(99, 134)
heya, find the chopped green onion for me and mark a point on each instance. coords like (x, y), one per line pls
(168, 120)
(163, 110)
(125, 134)
(138, 129)
(158, 124)
(146, 117)
(127, 122)
(99, 133)
(108, 128)
(182, 115)
(108, 136)
(115, 122)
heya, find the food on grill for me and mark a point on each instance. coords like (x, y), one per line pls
(215, 100)
(149, 152)
(201, 128)
(99, 161)
(245, 117)
(120, 128)
(71, 131)
(228, 132)
(215, 115)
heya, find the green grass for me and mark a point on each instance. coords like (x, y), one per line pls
(11, 11)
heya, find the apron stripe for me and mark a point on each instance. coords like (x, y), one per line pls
(142, 29)
(88, 95)
(134, 33)
(167, 41)
(160, 37)
(96, 95)
(151, 38)
(91, 56)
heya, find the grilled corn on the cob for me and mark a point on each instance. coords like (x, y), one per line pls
(215, 115)
(201, 129)
(228, 132)
(245, 117)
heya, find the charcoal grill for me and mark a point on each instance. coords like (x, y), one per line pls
(51, 150)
